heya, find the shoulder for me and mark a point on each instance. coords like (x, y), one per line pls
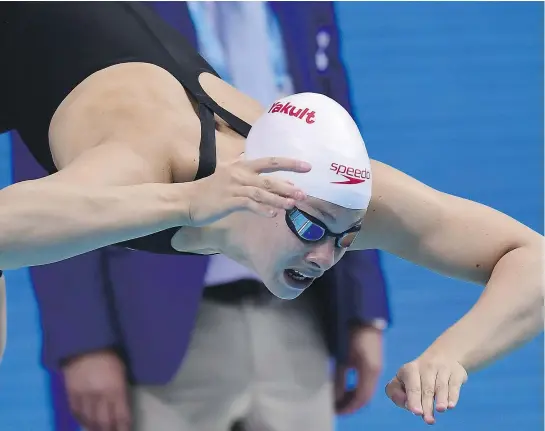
(139, 104)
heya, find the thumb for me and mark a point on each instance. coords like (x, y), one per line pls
(340, 382)
(396, 392)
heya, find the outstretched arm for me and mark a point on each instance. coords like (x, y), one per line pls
(109, 139)
(466, 240)
(70, 213)
(114, 154)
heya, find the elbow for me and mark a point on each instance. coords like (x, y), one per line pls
(519, 275)
(524, 252)
(530, 252)
(522, 268)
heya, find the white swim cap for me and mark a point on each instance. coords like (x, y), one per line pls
(314, 128)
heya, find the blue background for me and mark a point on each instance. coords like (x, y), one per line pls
(451, 93)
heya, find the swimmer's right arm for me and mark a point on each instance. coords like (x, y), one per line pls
(71, 213)
(112, 139)
(48, 221)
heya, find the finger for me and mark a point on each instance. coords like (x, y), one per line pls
(102, 418)
(340, 382)
(247, 204)
(343, 396)
(264, 197)
(360, 395)
(342, 406)
(75, 403)
(455, 383)
(279, 187)
(409, 375)
(428, 377)
(87, 415)
(121, 414)
(367, 379)
(396, 392)
(441, 389)
(274, 164)
(271, 184)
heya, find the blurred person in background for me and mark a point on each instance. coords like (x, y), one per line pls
(170, 359)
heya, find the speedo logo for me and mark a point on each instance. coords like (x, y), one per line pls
(293, 111)
(352, 175)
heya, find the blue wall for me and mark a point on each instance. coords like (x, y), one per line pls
(452, 93)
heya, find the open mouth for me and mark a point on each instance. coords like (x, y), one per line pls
(297, 279)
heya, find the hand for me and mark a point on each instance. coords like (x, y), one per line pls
(237, 186)
(97, 391)
(365, 356)
(421, 382)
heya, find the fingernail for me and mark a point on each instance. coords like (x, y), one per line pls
(300, 196)
(305, 165)
(289, 203)
(451, 405)
(272, 213)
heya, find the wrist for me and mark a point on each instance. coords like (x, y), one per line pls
(449, 347)
(378, 324)
(174, 199)
(76, 357)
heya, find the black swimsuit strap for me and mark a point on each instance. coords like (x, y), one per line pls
(207, 148)
(207, 106)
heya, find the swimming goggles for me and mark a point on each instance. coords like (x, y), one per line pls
(310, 229)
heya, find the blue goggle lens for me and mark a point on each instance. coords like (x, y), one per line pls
(306, 229)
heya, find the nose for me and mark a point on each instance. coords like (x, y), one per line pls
(322, 255)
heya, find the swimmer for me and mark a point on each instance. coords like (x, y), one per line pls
(147, 147)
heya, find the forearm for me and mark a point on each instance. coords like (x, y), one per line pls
(46, 221)
(508, 313)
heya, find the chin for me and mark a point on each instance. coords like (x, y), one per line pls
(286, 287)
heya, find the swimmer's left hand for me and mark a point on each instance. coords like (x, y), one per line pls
(425, 381)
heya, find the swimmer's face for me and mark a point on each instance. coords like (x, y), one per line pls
(275, 251)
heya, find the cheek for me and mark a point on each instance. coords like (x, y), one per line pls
(285, 241)
(280, 243)
(268, 238)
